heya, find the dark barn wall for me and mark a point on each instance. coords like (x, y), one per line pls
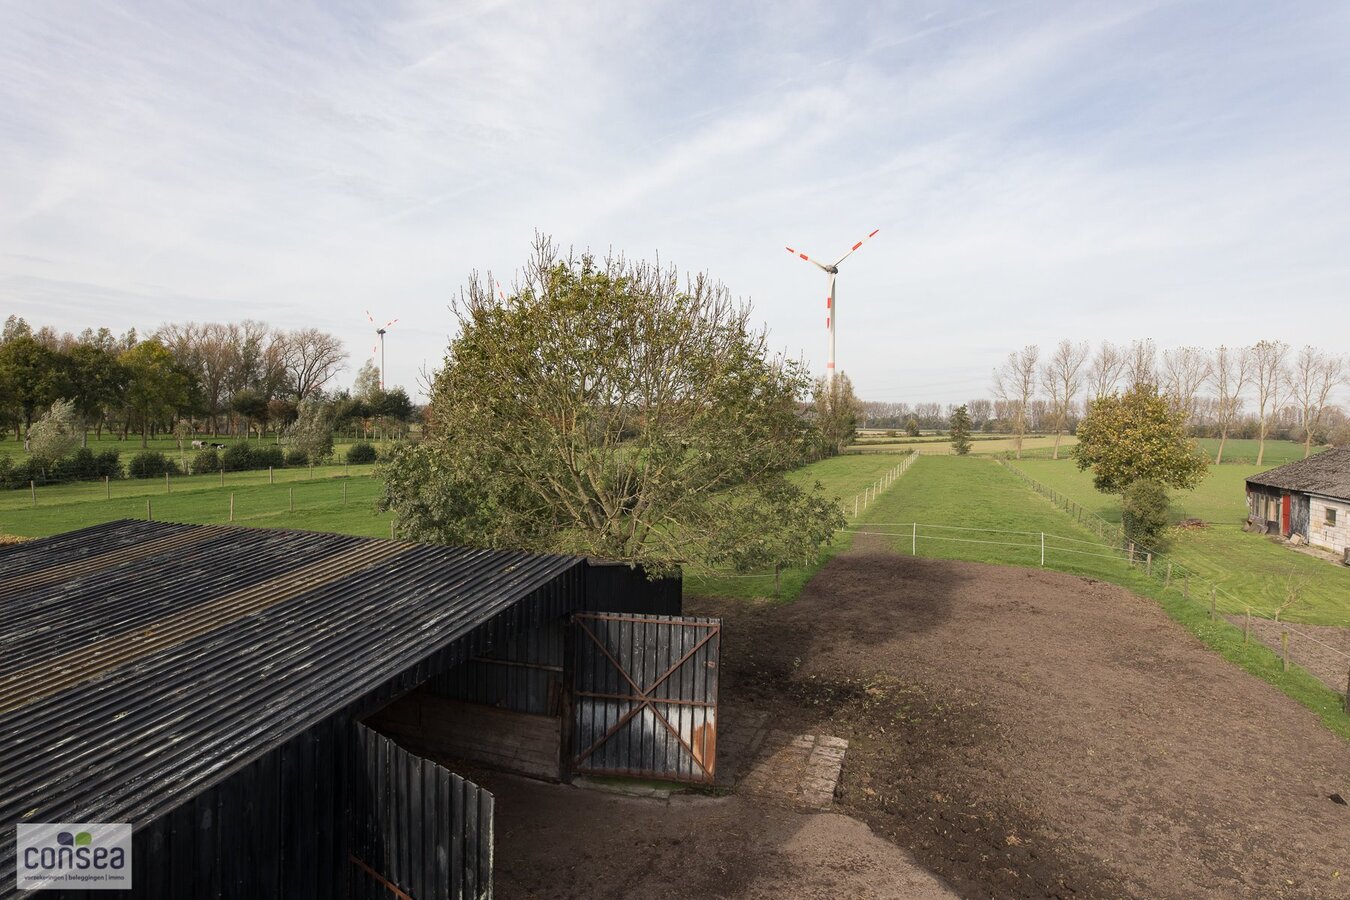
(282, 825)
(619, 588)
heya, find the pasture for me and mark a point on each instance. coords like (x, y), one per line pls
(1242, 451)
(338, 498)
(1253, 567)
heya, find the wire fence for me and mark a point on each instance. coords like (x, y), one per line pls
(1173, 574)
(852, 508)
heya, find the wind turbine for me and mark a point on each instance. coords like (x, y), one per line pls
(380, 347)
(831, 317)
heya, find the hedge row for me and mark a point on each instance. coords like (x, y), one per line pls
(86, 465)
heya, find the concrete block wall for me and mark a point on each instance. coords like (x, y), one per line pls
(1335, 538)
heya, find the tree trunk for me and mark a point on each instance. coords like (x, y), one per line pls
(1223, 437)
(1261, 445)
(1307, 443)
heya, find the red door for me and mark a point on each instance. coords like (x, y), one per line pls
(1284, 515)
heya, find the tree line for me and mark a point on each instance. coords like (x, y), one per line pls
(236, 378)
(1265, 390)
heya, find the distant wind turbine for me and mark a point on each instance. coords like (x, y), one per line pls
(832, 316)
(380, 347)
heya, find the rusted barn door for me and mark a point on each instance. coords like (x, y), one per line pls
(645, 696)
(421, 831)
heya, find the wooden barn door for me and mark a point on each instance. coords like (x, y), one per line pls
(420, 831)
(644, 700)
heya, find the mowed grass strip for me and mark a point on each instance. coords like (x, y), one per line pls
(319, 504)
(1252, 567)
(976, 492)
(841, 477)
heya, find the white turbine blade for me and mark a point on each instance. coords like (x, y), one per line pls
(370, 317)
(802, 255)
(390, 322)
(856, 246)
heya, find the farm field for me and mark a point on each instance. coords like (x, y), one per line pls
(200, 499)
(981, 445)
(842, 477)
(166, 445)
(1253, 567)
(1243, 451)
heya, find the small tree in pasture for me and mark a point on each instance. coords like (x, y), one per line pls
(312, 433)
(912, 427)
(1137, 436)
(960, 432)
(56, 434)
(836, 411)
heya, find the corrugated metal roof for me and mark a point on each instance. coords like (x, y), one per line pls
(131, 679)
(1326, 473)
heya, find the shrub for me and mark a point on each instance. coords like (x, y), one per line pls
(238, 457)
(1143, 507)
(78, 466)
(108, 464)
(297, 457)
(268, 456)
(361, 453)
(206, 461)
(150, 464)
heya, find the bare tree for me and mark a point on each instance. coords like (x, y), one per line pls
(1062, 379)
(1184, 371)
(1230, 373)
(1268, 358)
(980, 411)
(1015, 385)
(1108, 366)
(1313, 377)
(310, 358)
(1141, 363)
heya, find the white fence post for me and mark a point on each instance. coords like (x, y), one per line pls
(1042, 549)
(914, 539)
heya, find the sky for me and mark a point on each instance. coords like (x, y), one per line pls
(1038, 171)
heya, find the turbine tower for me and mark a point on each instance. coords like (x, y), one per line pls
(832, 270)
(380, 347)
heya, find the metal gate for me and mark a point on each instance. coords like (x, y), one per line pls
(422, 832)
(645, 696)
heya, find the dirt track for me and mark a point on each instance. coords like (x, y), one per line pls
(1031, 734)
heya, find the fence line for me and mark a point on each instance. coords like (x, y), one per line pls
(1162, 567)
(860, 502)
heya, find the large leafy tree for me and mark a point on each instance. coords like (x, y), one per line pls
(158, 386)
(99, 381)
(837, 409)
(33, 375)
(607, 408)
(1138, 436)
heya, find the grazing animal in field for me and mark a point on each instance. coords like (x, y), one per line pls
(199, 445)
(217, 446)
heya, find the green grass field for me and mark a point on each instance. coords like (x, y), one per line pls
(1253, 567)
(981, 445)
(841, 477)
(978, 493)
(1242, 451)
(318, 503)
(166, 445)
